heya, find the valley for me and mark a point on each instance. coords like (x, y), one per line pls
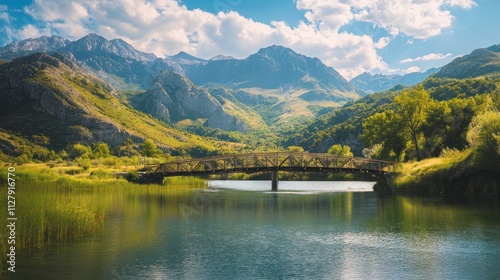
(59, 93)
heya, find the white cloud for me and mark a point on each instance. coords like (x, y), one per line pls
(31, 31)
(166, 27)
(326, 15)
(4, 14)
(466, 4)
(427, 57)
(411, 69)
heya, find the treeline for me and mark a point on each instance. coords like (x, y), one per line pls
(23, 151)
(417, 126)
(345, 125)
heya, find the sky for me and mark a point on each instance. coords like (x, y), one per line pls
(352, 36)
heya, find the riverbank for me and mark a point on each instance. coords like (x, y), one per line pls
(59, 203)
(456, 172)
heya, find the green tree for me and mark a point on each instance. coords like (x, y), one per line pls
(149, 149)
(101, 150)
(340, 150)
(411, 109)
(383, 131)
(295, 149)
(79, 150)
(483, 138)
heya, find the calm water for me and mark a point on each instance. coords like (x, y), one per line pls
(308, 230)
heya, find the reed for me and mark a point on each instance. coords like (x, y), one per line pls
(53, 207)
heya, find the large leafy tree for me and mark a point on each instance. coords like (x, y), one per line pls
(411, 109)
(149, 149)
(340, 150)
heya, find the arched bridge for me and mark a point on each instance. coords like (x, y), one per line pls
(274, 162)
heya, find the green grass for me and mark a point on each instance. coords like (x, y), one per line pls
(53, 207)
(452, 173)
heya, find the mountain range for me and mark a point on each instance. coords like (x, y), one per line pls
(98, 90)
(379, 82)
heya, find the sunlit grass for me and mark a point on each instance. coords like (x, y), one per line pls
(430, 174)
(53, 207)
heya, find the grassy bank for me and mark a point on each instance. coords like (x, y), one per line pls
(64, 203)
(452, 173)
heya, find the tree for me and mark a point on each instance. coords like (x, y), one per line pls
(340, 150)
(483, 138)
(383, 131)
(149, 149)
(411, 108)
(101, 151)
(295, 149)
(79, 150)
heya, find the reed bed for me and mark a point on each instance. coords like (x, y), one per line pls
(53, 207)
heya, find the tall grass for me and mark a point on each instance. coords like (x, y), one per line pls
(53, 207)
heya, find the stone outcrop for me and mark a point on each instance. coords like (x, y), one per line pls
(174, 98)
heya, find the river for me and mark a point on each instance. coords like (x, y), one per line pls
(306, 230)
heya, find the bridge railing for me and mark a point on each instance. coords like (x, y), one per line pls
(271, 161)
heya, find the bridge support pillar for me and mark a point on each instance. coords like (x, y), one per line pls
(274, 180)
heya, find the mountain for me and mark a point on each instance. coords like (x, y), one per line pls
(50, 96)
(478, 63)
(182, 61)
(461, 78)
(379, 82)
(30, 46)
(221, 57)
(173, 98)
(115, 60)
(274, 67)
(95, 45)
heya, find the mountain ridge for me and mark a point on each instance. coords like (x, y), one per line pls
(380, 82)
(482, 61)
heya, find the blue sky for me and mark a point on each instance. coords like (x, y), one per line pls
(352, 36)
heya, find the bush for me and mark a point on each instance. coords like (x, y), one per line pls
(132, 176)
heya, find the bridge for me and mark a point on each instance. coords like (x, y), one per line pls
(268, 162)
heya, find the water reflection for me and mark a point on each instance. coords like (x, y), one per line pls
(225, 233)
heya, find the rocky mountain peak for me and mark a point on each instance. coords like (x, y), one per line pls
(172, 81)
(276, 51)
(30, 46)
(96, 45)
(221, 57)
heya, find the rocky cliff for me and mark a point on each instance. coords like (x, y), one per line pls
(51, 96)
(174, 98)
(38, 98)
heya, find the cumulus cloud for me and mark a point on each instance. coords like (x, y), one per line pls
(411, 69)
(166, 27)
(466, 4)
(427, 57)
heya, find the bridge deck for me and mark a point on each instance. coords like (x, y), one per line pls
(258, 162)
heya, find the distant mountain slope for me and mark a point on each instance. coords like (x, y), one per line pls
(51, 96)
(174, 98)
(115, 59)
(95, 45)
(379, 82)
(273, 67)
(30, 46)
(478, 63)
